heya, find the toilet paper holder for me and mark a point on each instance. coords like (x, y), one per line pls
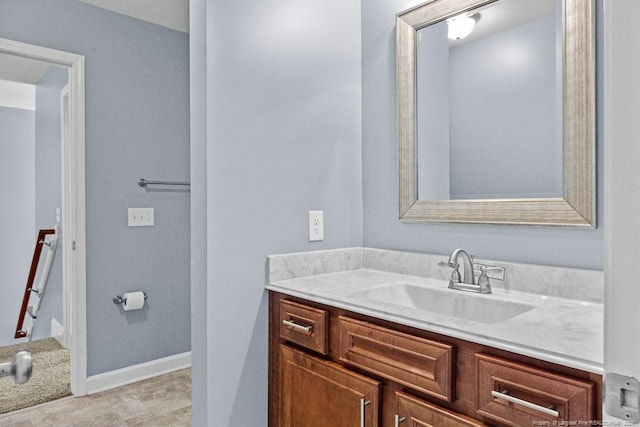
(121, 300)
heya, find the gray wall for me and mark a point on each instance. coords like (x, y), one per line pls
(137, 125)
(17, 218)
(281, 136)
(49, 188)
(553, 246)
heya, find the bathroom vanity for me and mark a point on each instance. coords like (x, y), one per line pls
(353, 345)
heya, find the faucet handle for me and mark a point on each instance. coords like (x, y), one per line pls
(455, 275)
(483, 280)
(448, 264)
(493, 272)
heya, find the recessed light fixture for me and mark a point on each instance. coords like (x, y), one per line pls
(461, 26)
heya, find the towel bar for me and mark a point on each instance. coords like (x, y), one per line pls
(144, 182)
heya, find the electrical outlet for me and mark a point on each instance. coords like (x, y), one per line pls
(140, 217)
(316, 226)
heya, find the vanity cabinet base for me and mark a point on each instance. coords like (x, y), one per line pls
(386, 355)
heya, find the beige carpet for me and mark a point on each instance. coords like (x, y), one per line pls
(51, 377)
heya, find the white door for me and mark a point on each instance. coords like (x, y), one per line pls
(622, 210)
(73, 203)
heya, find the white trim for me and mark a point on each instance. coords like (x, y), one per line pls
(73, 203)
(135, 373)
(57, 332)
(621, 203)
(65, 130)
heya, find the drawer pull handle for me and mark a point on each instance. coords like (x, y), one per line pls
(399, 420)
(363, 403)
(505, 395)
(297, 327)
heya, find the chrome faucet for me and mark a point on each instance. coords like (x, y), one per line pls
(467, 264)
(467, 283)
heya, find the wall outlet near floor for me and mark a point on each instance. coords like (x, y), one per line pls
(140, 217)
(316, 226)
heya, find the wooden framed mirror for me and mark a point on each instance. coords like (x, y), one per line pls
(572, 97)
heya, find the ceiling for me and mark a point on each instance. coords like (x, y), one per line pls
(172, 14)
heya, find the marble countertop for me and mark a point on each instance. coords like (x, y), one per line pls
(557, 330)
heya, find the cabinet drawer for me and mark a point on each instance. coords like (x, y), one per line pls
(424, 365)
(518, 395)
(305, 326)
(414, 412)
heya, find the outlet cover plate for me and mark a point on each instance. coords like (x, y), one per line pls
(316, 226)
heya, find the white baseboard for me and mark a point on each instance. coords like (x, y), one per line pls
(135, 373)
(57, 332)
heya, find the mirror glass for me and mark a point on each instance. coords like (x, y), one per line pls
(489, 104)
(496, 112)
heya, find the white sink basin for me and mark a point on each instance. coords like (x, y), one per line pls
(464, 305)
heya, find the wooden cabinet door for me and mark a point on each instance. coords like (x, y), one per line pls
(319, 393)
(413, 412)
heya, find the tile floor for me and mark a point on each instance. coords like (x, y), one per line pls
(159, 401)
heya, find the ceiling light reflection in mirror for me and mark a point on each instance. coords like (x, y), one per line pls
(461, 26)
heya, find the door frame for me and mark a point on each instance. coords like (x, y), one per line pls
(73, 205)
(622, 200)
(65, 129)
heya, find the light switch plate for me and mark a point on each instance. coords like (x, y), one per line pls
(140, 217)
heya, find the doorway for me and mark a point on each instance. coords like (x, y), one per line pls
(20, 59)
